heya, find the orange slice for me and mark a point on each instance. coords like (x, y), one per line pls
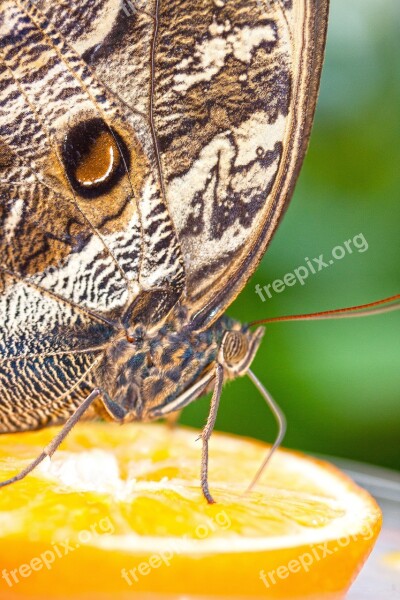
(118, 514)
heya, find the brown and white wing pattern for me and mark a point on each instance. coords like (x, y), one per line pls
(73, 257)
(230, 95)
(100, 243)
(236, 86)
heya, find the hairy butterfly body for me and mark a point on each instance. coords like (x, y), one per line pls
(146, 157)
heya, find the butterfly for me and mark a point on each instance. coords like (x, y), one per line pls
(148, 150)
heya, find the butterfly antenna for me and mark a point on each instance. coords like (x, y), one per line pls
(280, 419)
(363, 310)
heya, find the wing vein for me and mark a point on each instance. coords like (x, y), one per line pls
(34, 355)
(92, 315)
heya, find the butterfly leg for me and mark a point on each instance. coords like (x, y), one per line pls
(112, 408)
(207, 431)
(171, 419)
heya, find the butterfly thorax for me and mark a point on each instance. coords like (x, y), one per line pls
(149, 373)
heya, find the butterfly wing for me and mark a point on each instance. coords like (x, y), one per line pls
(236, 86)
(230, 90)
(73, 261)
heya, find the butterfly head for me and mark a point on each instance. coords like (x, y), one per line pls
(238, 347)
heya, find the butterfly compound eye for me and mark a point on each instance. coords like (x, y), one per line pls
(234, 347)
(95, 157)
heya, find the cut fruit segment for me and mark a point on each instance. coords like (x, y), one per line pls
(119, 512)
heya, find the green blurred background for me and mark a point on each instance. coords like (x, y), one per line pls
(337, 381)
